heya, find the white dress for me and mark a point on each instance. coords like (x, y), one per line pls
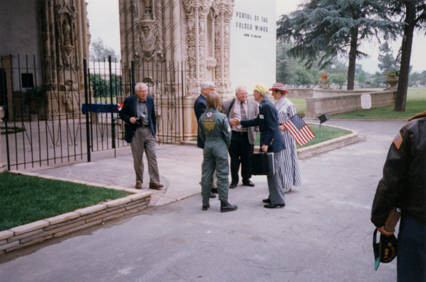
(290, 171)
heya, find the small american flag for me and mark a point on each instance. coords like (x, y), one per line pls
(299, 130)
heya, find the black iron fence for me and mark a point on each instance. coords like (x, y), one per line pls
(63, 114)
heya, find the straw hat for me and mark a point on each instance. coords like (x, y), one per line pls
(279, 87)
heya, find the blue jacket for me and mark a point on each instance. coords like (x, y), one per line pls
(200, 107)
(129, 110)
(267, 120)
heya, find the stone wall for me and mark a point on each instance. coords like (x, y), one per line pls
(21, 35)
(332, 103)
(54, 34)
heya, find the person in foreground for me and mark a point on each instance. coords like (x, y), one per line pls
(290, 171)
(403, 186)
(200, 105)
(139, 116)
(215, 132)
(271, 140)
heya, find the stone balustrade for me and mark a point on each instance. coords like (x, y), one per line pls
(331, 101)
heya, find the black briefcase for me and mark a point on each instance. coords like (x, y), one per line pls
(262, 163)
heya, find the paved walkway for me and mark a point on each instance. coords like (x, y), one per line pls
(323, 234)
(180, 169)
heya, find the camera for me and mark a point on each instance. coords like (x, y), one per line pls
(139, 121)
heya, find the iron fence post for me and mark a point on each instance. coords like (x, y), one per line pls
(6, 114)
(86, 98)
(112, 105)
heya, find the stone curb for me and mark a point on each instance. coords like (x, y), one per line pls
(330, 145)
(39, 231)
(322, 147)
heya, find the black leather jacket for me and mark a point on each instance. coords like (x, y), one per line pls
(404, 175)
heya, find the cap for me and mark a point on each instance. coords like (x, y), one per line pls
(385, 250)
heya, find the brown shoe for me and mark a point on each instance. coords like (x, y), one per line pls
(155, 186)
(138, 185)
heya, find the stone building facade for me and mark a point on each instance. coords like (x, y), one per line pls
(195, 33)
(48, 40)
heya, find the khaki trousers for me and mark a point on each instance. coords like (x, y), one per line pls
(144, 141)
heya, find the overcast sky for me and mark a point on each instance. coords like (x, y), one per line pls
(104, 23)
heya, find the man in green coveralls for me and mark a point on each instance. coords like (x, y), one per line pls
(215, 132)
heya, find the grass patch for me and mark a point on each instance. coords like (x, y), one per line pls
(300, 104)
(416, 103)
(327, 133)
(24, 199)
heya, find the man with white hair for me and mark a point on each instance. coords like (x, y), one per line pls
(243, 139)
(200, 106)
(138, 112)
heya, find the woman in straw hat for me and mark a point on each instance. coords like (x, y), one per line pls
(290, 171)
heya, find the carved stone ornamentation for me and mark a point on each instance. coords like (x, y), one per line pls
(147, 46)
(148, 12)
(66, 29)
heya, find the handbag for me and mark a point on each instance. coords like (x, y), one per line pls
(262, 164)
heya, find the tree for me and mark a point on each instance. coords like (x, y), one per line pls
(413, 14)
(101, 87)
(338, 78)
(386, 60)
(322, 29)
(99, 52)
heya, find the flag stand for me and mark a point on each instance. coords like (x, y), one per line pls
(322, 118)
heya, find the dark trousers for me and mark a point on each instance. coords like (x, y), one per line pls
(411, 264)
(240, 152)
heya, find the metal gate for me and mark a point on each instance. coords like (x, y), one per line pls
(61, 115)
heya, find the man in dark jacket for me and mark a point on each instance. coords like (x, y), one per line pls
(200, 105)
(138, 113)
(403, 186)
(271, 140)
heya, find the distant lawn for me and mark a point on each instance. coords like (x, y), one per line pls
(300, 104)
(416, 102)
(24, 199)
(327, 133)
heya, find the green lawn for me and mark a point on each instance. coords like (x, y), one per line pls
(24, 199)
(300, 104)
(416, 102)
(326, 133)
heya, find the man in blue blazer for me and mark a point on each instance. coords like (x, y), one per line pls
(271, 140)
(138, 113)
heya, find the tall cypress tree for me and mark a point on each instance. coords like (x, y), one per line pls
(323, 29)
